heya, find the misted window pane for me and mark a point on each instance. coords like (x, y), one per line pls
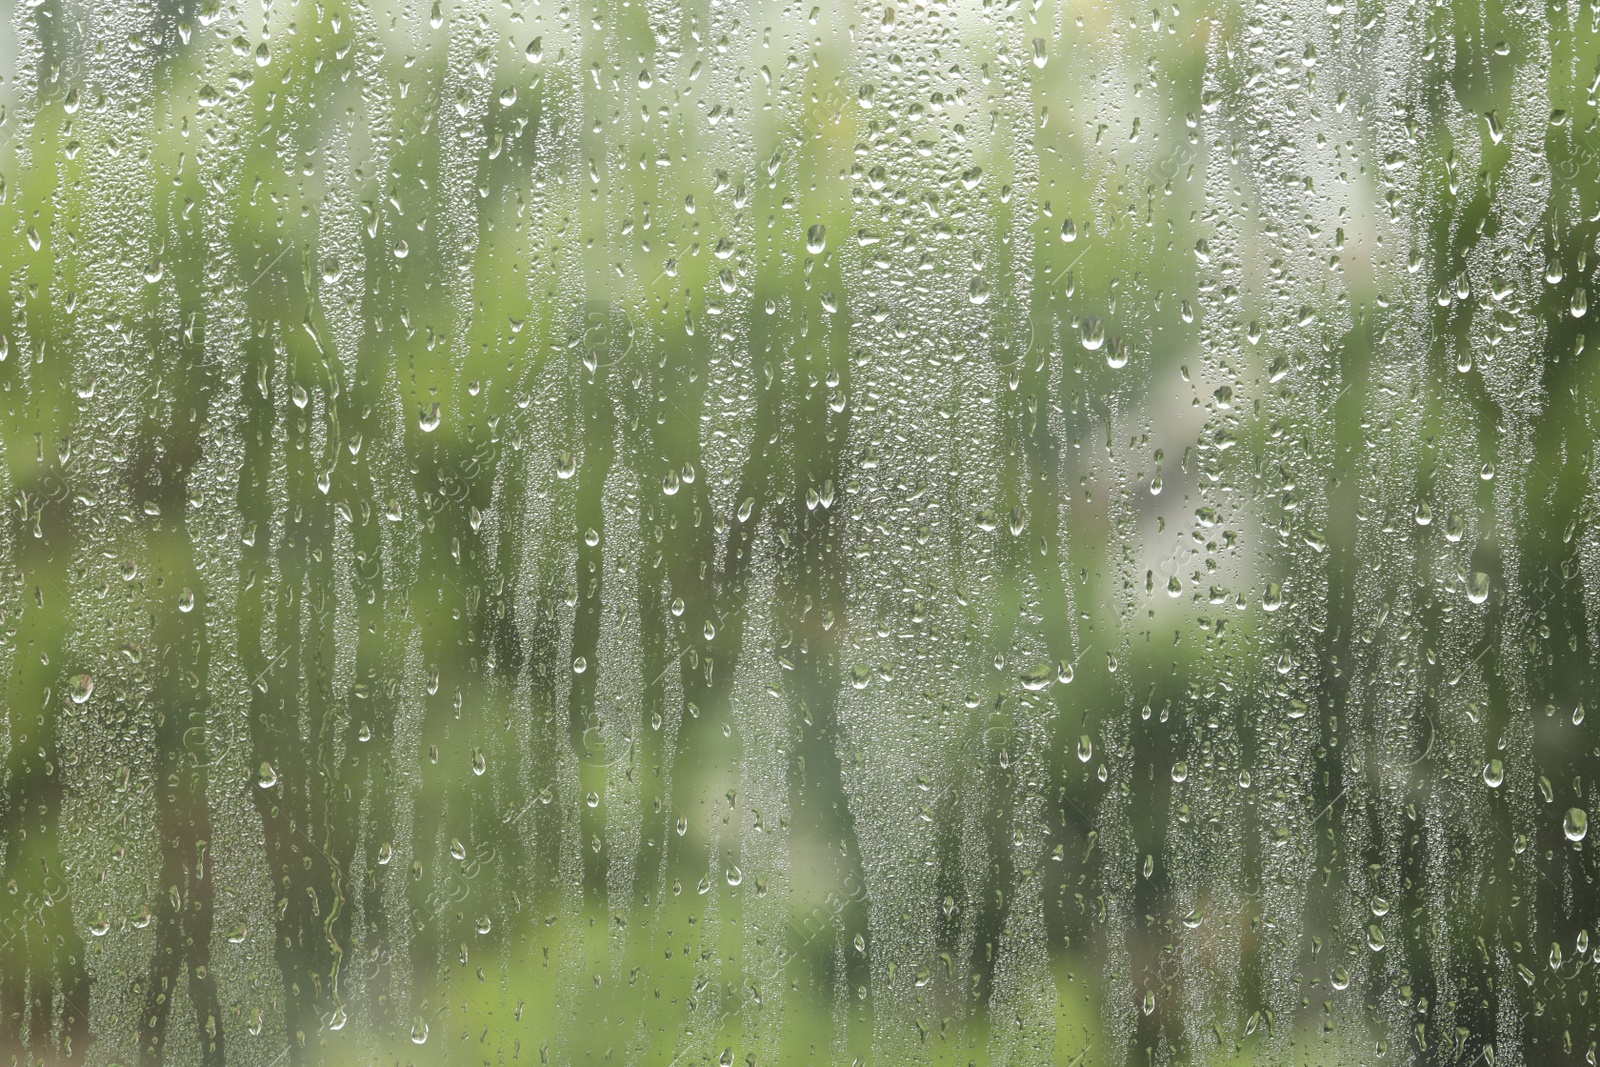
(675, 532)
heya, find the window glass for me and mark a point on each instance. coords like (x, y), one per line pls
(750, 532)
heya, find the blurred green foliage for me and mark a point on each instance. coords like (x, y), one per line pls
(648, 532)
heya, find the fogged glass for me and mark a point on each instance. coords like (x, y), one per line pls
(913, 532)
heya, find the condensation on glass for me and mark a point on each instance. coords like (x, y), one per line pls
(913, 532)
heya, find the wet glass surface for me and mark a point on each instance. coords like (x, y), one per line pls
(709, 532)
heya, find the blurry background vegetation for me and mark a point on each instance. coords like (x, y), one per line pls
(668, 532)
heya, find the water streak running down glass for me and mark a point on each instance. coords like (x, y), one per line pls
(873, 532)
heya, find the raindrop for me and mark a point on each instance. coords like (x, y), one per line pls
(1092, 333)
(1117, 354)
(1576, 824)
(1494, 772)
(1272, 598)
